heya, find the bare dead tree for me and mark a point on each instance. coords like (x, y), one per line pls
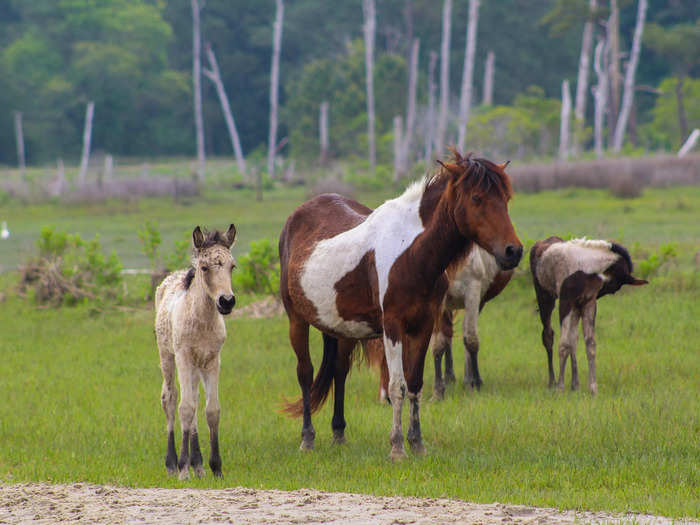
(323, 132)
(613, 30)
(274, 87)
(214, 75)
(87, 136)
(411, 105)
(197, 88)
(444, 77)
(109, 167)
(600, 94)
(565, 120)
(369, 29)
(19, 137)
(430, 118)
(58, 185)
(690, 143)
(465, 98)
(489, 71)
(584, 65)
(628, 94)
(398, 168)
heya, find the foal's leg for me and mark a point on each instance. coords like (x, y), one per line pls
(186, 375)
(569, 316)
(397, 388)
(588, 316)
(442, 345)
(470, 335)
(342, 366)
(545, 302)
(168, 399)
(210, 378)
(195, 452)
(299, 337)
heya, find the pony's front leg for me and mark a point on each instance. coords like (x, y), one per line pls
(588, 315)
(470, 337)
(415, 349)
(210, 378)
(187, 409)
(397, 392)
(168, 399)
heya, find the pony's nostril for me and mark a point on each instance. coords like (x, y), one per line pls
(227, 301)
(510, 251)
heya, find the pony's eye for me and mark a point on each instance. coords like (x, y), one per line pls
(205, 268)
(476, 199)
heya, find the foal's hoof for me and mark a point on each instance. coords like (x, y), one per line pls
(218, 474)
(339, 438)
(450, 378)
(593, 388)
(184, 474)
(198, 471)
(397, 453)
(417, 448)
(439, 393)
(306, 446)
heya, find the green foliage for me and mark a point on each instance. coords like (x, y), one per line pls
(259, 270)
(678, 44)
(180, 256)
(150, 239)
(649, 267)
(663, 132)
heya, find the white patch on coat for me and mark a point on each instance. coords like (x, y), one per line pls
(477, 272)
(565, 258)
(389, 231)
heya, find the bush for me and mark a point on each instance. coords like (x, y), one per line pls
(259, 270)
(70, 270)
(651, 266)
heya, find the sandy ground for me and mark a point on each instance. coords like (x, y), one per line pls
(46, 503)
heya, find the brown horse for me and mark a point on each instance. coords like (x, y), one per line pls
(354, 273)
(577, 272)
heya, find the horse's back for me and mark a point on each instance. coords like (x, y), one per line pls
(168, 291)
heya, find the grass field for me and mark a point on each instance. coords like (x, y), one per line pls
(82, 390)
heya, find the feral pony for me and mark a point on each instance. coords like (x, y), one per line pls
(354, 273)
(474, 280)
(190, 331)
(576, 272)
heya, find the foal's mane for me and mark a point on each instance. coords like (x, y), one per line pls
(481, 174)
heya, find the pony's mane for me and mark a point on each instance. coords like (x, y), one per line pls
(188, 278)
(482, 174)
(622, 252)
(213, 238)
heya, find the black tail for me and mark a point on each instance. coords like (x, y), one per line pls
(321, 386)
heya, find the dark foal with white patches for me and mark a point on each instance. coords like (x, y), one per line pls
(190, 331)
(577, 272)
(354, 273)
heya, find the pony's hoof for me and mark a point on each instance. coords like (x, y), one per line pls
(218, 474)
(338, 438)
(417, 448)
(397, 454)
(450, 378)
(306, 446)
(184, 474)
(438, 393)
(593, 387)
(198, 471)
(172, 472)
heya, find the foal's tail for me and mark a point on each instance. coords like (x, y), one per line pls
(321, 386)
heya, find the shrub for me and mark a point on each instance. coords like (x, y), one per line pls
(667, 254)
(259, 270)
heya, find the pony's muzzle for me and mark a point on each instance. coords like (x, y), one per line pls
(512, 255)
(225, 304)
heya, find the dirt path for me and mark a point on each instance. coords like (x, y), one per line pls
(45, 503)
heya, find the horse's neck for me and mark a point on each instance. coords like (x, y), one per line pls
(201, 305)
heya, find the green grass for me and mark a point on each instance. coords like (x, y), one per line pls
(82, 391)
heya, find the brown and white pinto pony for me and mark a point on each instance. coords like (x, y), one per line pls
(577, 272)
(354, 273)
(190, 331)
(474, 280)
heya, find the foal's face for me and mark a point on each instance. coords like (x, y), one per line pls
(213, 265)
(483, 216)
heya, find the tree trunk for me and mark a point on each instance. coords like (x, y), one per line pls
(613, 67)
(197, 88)
(274, 88)
(444, 77)
(430, 119)
(601, 95)
(489, 71)
(690, 143)
(214, 75)
(465, 98)
(87, 137)
(369, 28)
(398, 168)
(57, 187)
(19, 136)
(628, 95)
(682, 120)
(323, 132)
(411, 104)
(565, 120)
(584, 65)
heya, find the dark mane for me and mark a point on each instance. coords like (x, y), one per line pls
(622, 252)
(481, 174)
(214, 238)
(189, 276)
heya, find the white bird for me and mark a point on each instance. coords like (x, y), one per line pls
(4, 233)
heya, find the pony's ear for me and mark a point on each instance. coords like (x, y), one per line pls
(633, 281)
(452, 168)
(197, 237)
(504, 165)
(231, 235)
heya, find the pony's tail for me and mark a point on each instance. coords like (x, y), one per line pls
(321, 386)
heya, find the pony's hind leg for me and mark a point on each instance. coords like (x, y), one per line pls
(299, 337)
(470, 337)
(168, 399)
(569, 318)
(588, 315)
(545, 303)
(342, 366)
(442, 346)
(210, 378)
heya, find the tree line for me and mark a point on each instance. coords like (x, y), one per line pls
(134, 60)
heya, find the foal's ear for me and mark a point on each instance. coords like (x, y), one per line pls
(633, 281)
(231, 235)
(452, 168)
(197, 237)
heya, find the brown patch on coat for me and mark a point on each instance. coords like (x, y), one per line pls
(496, 287)
(578, 289)
(358, 294)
